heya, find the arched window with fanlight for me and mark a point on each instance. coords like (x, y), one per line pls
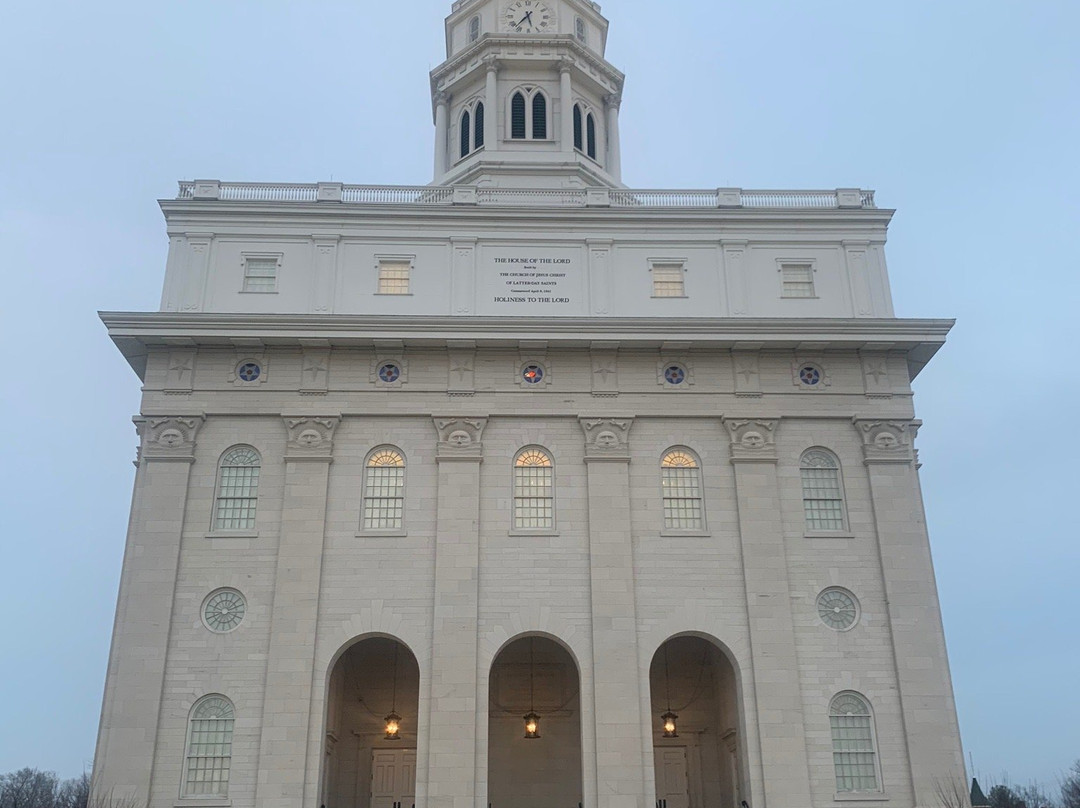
(237, 489)
(680, 484)
(590, 136)
(528, 114)
(580, 31)
(534, 490)
(854, 745)
(474, 28)
(208, 753)
(822, 491)
(466, 133)
(384, 490)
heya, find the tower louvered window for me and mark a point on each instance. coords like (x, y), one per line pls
(517, 117)
(466, 133)
(577, 128)
(590, 132)
(539, 117)
(478, 123)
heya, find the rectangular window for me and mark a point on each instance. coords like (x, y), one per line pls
(798, 280)
(668, 280)
(823, 503)
(260, 274)
(384, 501)
(853, 753)
(534, 498)
(394, 277)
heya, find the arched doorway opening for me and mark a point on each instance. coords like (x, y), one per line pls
(534, 676)
(371, 718)
(696, 730)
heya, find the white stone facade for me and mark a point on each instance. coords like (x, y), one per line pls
(275, 334)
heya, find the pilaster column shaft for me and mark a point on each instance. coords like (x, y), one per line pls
(614, 151)
(491, 102)
(774, 659)
(566, 109)
(452, 752)
(914, 612)
(441, 134)
(621, 745)
(283, 780)
(124, 760)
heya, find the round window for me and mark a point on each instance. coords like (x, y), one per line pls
(838, 609)
(532, 374)
(810, 376)
(389, 373)
(249, 372)
(224, 610)
(673, 374)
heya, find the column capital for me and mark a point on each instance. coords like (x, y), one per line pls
(889, 440)
(311, 437)
(566, 64)
(607, 438)
(460, 437)
(492, 63)
(442, 98)
(753, 440)
(168, 437)
(613, 100)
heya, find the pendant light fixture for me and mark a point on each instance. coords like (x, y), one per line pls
(532, 720)
(393, 721)
(669, 718)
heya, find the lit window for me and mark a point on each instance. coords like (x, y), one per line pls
(209, 748)
(532, 374)
(534, 491)
(854, 756)
(680, 481)
(238, 489)
(668, 280)
(580, 31)
(384, 490)
(528, 114)
(260, 275)
(798, 280)
(823, 496)
(474, 29)
(394, 277)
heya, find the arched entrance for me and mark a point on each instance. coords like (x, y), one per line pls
(534, 676)
(373, 700)
(695, 720)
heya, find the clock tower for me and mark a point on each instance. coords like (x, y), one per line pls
(526, 98)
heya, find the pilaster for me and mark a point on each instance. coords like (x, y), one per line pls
(774, 661)
(286, 715)
(132, 704)
(453, 731)
(924, 683)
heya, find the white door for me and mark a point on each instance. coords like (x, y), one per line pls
(393, 778)
(672, 780)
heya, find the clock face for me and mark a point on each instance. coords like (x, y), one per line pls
(528, 17)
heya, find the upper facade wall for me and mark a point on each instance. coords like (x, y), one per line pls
(525, 263)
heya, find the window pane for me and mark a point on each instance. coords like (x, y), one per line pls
(798, 280)
(534, 493)
(854, 756)
(539, 121)
(680, 482)
(238, 490)
(260, 275)
(393, 278)
(384, 497)
(209, 751)
(822, 501)
(517, 117)
(668, 281)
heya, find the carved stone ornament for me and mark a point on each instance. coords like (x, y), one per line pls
(607, 437)
(168, 437)
(605, 372)
(180, 374)
(887, 441)
(315, 372)
(310, 436)
(460, 437)
(752, 438)
(747, 368)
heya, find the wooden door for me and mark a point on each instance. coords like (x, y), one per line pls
(393, 778)
(672, 777)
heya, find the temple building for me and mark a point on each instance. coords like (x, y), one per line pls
(526, 489)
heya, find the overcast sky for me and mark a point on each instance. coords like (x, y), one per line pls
(963, 115)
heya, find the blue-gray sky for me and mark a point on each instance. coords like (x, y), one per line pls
(963, 115)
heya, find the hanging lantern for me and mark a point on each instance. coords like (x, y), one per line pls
(393, 727)
(532, 725)
(670, 730)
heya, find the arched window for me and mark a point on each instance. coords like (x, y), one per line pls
(238, 489)
(478, 125)
(466, 133)
(590, 135)
(680, 483)
(517, 116)
(474, 29)
(580, 31)
(854, 752)
(823, 495)
(578, 138)
(209, 748)
(539, 116)
(534, 490)
(384, 490)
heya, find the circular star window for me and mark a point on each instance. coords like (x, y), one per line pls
(224, 610)
(810, 376)
(389, 373)
(838, 609)
(249, 372)
(674, 374)
(532, 374)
